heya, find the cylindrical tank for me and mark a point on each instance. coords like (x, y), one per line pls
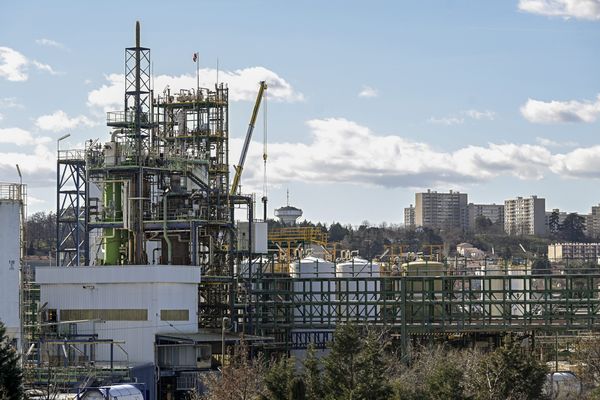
(358, 294)
(10, 266)
(422, 293)
(314, 292)
(113, 209)
(313, 298)
(519, 291)
(116, 392)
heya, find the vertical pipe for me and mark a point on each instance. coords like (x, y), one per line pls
(165, 231)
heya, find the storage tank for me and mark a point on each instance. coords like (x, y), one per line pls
(494, 288)
(503, 296)
(421, 293)
(115, 392)
(10, 266)
(314, 292)
(313, 302)
(358, 295)
(519, 291)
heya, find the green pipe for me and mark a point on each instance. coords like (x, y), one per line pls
(165, 232)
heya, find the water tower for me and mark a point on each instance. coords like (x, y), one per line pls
(288, 214)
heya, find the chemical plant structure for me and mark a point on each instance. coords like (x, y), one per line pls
(156, 281)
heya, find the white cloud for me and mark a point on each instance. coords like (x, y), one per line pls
(36, 160)
(10, 102)
(548, 112)
(20, 137)
(579, 9)
(14, 65)
(446, 120)
(1, 117)
(342, 151)
(44, 67)
(368, 92)
(460, 118)
(59, 121)
(579, 163)
(475, 114)
(51, 43)
(553, 143)
(243, 86)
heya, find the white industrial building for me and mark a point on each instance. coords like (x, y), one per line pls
(128, 304)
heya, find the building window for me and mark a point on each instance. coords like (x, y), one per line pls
(174, 315)
(105, 314)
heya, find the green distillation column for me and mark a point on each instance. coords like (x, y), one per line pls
(113, 238)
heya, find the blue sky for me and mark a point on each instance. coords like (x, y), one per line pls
(369, 101)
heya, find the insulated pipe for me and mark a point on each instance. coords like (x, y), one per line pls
(165, 232)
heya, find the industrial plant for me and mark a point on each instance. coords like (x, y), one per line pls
(163, 265)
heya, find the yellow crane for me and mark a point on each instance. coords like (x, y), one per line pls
(239, 168)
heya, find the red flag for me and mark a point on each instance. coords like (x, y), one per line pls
(195, 57)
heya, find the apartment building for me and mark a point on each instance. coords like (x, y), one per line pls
(494, 212)
(441, 210)
(525, 216)
(574, 251)
(409, 216)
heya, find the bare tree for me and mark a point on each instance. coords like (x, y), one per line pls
(239, 379)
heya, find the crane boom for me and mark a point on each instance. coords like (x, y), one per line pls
(240, 166)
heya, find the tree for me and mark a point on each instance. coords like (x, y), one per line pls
(312, 375)
(279, 377)
(355, 367)
(240, 379)
(372, 382)
(482, 224)
(337, 232)
(554, 222)
(573, 227)
(508, 373)
(297, 390)
(11, 375)
(445, 382)
(341, 365)
(587, 355)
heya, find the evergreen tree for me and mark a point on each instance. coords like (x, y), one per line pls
(312, 375)
(341, 364)
(297, 390)
(279, 377)
(11, 375)
(372, 378)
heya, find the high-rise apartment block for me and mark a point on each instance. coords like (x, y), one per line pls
(441, 210)
(409, 216)
(494, 212)
(525, 216)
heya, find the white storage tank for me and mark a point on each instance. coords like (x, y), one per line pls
(116, 392)
(313, 298)
(313, 291)
(357, 294)
(10, 265)
(505, 296)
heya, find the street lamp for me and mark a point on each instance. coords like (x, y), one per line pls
(63, 137)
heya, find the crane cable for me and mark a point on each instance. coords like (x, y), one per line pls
(265, 144)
